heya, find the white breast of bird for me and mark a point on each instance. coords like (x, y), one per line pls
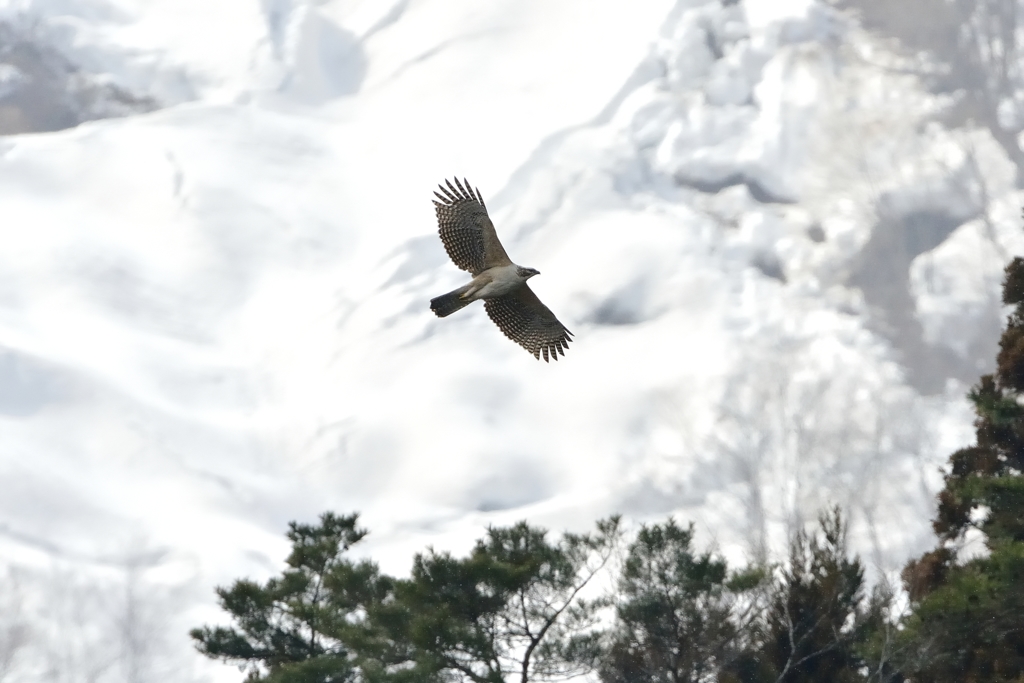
(504, 279)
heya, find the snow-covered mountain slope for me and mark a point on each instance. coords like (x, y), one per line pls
(213, 317)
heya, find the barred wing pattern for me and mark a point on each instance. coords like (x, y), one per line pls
(466, 230)
(529, 323)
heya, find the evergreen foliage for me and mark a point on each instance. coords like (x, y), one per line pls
(512, 608)
(967, 622)
(299, 626)
(674, 613)
(818, 622)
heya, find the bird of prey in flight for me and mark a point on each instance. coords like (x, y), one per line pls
(471, 242)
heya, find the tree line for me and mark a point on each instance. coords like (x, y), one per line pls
(523, 606)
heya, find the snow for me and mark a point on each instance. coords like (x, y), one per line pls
(213, 317)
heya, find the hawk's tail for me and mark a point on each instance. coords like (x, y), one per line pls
(446, 304)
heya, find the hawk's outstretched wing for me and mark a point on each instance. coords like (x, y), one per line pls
(529, 323)
(466, 230)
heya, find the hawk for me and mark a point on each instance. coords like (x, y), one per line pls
(471, 242)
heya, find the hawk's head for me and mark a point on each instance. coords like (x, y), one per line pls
(526, 273)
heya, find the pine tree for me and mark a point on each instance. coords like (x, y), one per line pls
(677, 616)
(818, 620)
(968, 617)
(299, 626)
(512, 609)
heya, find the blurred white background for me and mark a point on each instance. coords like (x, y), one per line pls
(777, 232)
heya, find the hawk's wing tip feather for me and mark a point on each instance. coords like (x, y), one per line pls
(462, 190)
